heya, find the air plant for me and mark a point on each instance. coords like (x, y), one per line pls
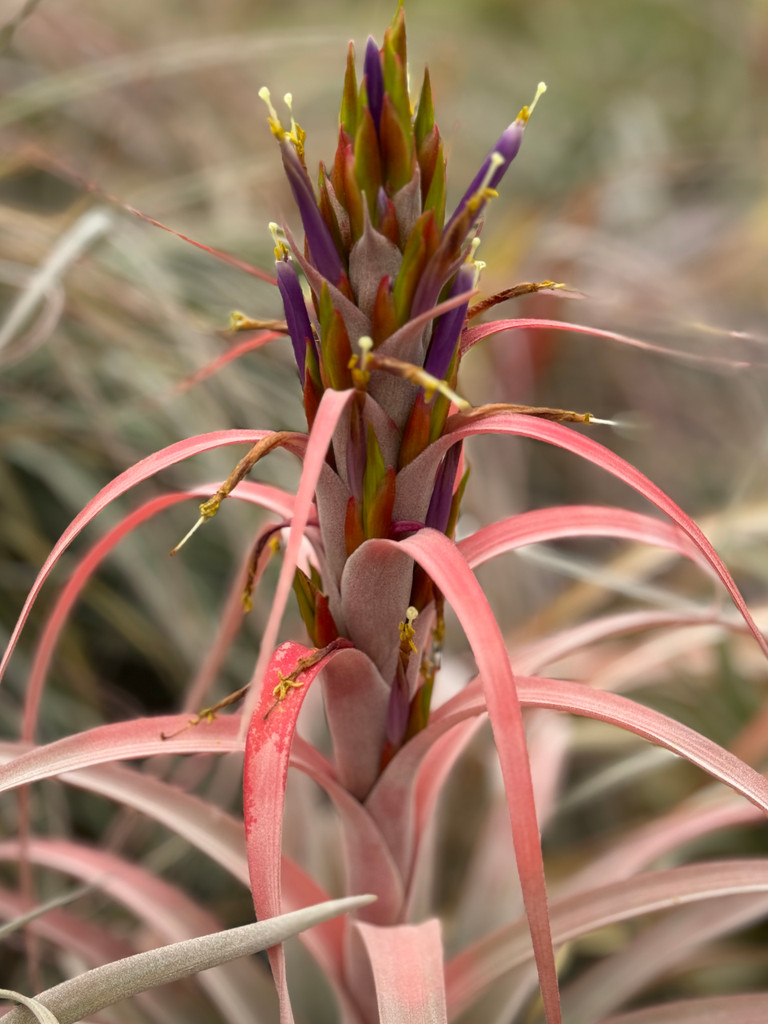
(379, 301)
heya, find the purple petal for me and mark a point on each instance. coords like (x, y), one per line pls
(374, 80)
(507, 149)
(445, 336)
(322, 248)
(439, 509)
(296, 314)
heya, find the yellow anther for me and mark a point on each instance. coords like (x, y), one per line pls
(281, 249)
(297, 135)
(407, 632)
(359, 364)
(209, 508)
(280, 692)
(365, 344)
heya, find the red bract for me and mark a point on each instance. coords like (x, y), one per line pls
(376, 299)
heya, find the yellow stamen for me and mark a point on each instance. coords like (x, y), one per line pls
(281, 249)
(407, 632)
(526, 112)
(297, 135)
(184, 539)
(359, 364)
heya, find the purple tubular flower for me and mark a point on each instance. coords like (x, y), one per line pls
(439, 510)
(448, 328)
(374, 81)
(296, 314)
(507, 149)
(324, 253)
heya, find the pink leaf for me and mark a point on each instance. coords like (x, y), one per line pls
(655, 952)
(124, 482)
(234, 352)
(407, 963)
(268, 746)
(258, 494)
(239, 989)
(750, 1008)
(535, 656)
(470, 973)
(564, 521)
(216, 834)
(332, 405)
(440, 558)
(461, 427)
(473, 335)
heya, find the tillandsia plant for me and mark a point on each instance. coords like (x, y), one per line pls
(379, 300)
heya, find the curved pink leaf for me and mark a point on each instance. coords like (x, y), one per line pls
(579, 699)
(442, 561)
(392, 801)
(104, 986)
(662, 836)
(272, 498)
(369, 860)
(332, 405)
(407, 964)
(547, 524)
(427, 786)
(271, 735)
(656, 951)
(462, 426)
(750, 1008)
(472, 335)
(135, 474)
(533, 657)
(470, 973)
(234, 352)
(212, 831)
(93, 942)
(240, 989)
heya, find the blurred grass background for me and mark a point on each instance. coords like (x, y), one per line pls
(641, 182)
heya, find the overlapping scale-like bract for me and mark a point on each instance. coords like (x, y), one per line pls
(375, 300)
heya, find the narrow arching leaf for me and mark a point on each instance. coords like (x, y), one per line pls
(132, 476)
(470, 973)
(239, 990)
(473, 335)
(654, 952)
(532, 658)
(267, 752)
(665, 834)
(442, 561)
(462, 426)
(104, 986)
(751, 1008)
(264, 495)
(327, 417)
(541, 525)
